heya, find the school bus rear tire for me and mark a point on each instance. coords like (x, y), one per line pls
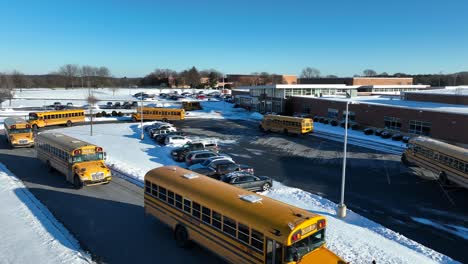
(182, 238)
(69, 123)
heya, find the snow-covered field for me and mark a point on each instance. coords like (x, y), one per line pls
(29, 233)
(355, 238)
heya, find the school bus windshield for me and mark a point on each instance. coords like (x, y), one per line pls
(88, 157)
(299, 249)
(33, 116)
(20, 130)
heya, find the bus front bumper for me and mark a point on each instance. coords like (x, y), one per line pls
(98, 182)
(22, 145)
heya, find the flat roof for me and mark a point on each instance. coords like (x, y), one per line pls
(451, 90)
(330, 86)
(392, 101)
(292, 86)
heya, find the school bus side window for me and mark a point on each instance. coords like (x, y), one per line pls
(206, 215)
(147, 187)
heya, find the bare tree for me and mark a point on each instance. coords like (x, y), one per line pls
(92, 100)
(7, 88)
(70, 72)
(369, 73)
(18, 79)
(310, 72)
(114, 89)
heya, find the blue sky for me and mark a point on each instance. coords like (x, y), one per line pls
(134, 37)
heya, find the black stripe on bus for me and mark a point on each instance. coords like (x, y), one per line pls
(436, 169)
(202, 234)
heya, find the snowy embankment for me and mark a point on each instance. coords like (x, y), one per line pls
(29, 232)
(355, 238)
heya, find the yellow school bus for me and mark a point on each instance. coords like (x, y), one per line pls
(18, 132)
(238, 225)
(286, 124)
(53, 118)
(162, 114)
(82, 163)
(191, 105)
(447, 161)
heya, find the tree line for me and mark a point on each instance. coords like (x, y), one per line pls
(68, 76)
(191, 77)
(451, 79)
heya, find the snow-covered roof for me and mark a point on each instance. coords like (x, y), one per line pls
(296, 86)
(451, 90)
(393, 101)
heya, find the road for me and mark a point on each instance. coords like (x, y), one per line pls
(108, 220)
(378, 186)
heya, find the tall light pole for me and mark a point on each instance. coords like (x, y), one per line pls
(142, 135)
(341, 210)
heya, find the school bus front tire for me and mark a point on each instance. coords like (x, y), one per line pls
(69, 123)
(77, 182)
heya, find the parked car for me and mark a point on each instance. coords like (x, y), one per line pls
(126, 105)
(218, 168)
(156, 125)
(69, 105)
(209, 161)
(386, 134)
(334, 123)
(248, 181)
(368, 131)
(201, 96)
(156, 132)
(109, 104)
(397, 137)
(179, 154)
(160, 139)
(134, 104)
(117, 105)
(176, 140)
(141, 95)
(198, 156)
(406, 139)
(378, 132)
(355, 127)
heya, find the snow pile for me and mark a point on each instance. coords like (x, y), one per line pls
(356, 238)
(29, 232)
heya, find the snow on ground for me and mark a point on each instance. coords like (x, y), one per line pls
(223, 110)
(29, 232)
(355, 238)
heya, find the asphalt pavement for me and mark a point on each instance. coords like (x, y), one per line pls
(110, 223)
(108, 220)
(378, 186)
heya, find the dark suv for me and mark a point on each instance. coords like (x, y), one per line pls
(179, 154)
(248, 181)
(220, 168)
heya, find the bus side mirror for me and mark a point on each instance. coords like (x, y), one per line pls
(105, 155)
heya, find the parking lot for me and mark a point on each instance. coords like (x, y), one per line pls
(378, 186)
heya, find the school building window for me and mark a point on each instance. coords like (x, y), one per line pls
(419, 128)
(392, 123)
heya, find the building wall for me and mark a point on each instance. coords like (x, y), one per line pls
(449, 127)
(290, 79)
(437, 98)
(381, 81)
